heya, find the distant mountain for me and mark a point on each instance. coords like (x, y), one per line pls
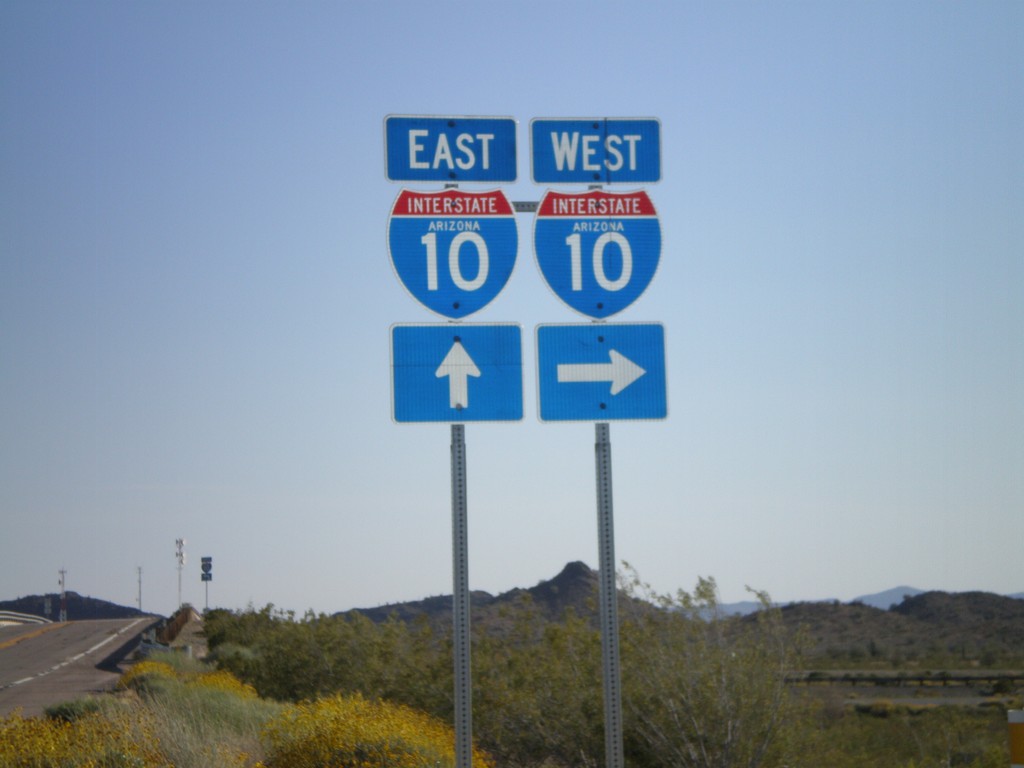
(969, 610)
(909, 625)
(576, 587)
(78, 607)
(968, 625)
(904, 616)
(883, 600)
(889, 598)
(741, 608)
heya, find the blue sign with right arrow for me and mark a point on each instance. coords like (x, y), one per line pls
(598, 372)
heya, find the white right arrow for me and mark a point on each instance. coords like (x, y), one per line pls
(620, 372)
(457, 366)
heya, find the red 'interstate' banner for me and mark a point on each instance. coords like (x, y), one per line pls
(452, 202)
(596, 203)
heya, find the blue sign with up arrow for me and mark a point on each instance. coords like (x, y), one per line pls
(456, 373)
(598, 372)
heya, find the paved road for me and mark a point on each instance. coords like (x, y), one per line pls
(45, 665)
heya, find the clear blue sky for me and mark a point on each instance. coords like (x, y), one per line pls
(195, 299)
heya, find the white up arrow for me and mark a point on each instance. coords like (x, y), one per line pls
(620, 372)
(457, 366)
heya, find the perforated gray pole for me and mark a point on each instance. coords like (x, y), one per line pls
(460, 604)
(609, 599)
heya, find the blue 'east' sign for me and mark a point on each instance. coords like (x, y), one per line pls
(453, 250)
(597, 250)
(598, 372)
(450, 149)
(595, 151)
(456, 373)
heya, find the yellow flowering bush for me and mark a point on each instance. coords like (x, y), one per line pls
(353, 732)
(91, 741)
(145, 673)
(224, 681)
(204, 718)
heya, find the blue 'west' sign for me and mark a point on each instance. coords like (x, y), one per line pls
(597, 372)
(595, 151)
(456, 373)
(450, 149)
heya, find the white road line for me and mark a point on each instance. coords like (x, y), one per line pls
(73, 659)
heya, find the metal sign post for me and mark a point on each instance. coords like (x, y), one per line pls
(460, 604)
(207, 577)
(608, 597)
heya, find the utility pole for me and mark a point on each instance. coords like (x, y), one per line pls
(63, 596)
(180, 548)
(139, 569)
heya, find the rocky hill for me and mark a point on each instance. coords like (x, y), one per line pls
(79, 607)
(574, 588)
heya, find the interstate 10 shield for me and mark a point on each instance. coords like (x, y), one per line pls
(598, 251)
(453, 250)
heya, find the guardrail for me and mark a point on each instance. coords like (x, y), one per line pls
(180, 618)
(901, 678)
(13, 617)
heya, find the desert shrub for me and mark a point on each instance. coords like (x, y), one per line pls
(905, 737)
(353, 732)
(291, 658)
(537, 692)
(705, 690)
(881, 708)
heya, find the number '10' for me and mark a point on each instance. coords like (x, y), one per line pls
(576, 256)
(454, 267)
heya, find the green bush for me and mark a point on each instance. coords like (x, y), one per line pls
(70, 711)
